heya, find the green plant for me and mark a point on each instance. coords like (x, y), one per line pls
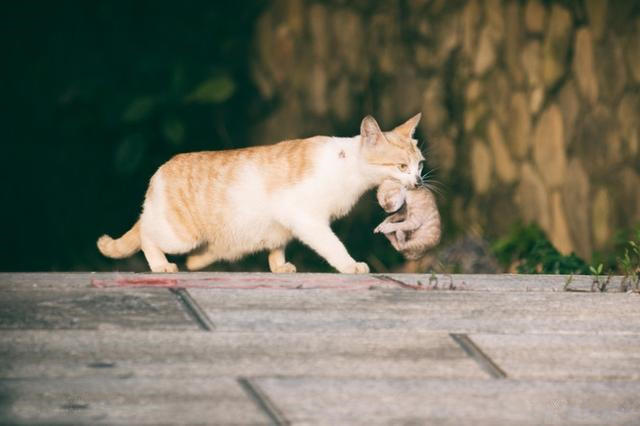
(599, 282)
(528, 249)
(629, 263)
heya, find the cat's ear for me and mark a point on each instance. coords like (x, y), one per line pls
(369, 130)
(407, 128)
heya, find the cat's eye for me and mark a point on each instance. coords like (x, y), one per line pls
(403, 167)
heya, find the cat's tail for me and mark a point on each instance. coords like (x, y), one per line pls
(124, 246)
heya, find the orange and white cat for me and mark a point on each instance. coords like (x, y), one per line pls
(227, 204)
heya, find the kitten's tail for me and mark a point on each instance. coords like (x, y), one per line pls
(124, 246)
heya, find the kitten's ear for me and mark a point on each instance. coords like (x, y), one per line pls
(407, 128)
(369, 130)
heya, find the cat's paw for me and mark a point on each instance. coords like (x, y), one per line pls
(356, 268)
(287, 268)
(165, 268)
(362, 268)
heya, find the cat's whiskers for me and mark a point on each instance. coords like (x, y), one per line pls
(431, 184)
(429, 173)
(433, 187)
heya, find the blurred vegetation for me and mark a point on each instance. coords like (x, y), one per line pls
(527, 249)
(627, 257)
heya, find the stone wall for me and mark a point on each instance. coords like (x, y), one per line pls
(531, 109)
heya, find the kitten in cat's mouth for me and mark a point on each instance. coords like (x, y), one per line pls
(413, 227)
(222, 205)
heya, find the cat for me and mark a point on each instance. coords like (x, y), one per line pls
(227, 204)
(414, 227)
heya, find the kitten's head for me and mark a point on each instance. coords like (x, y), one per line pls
(394, 154)
(391, 195)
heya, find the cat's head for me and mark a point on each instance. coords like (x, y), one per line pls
(394, 154)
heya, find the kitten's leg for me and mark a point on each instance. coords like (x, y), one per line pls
(400, 237)
(155, 258)
(277, 262)
(419, 244)
(201, 259)
(320, 237)
(406, 226)
(393, 240)
(389, 219)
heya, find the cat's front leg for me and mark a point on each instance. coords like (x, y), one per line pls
(278, 264)
(319, 236)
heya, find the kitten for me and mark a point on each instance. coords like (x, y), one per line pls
(227, 204)
(414, 228)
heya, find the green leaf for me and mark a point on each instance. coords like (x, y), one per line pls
(173, 131)
(129, 154)
(214, 90)
(139, 109)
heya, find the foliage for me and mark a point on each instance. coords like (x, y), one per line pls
(629, 263)
(214, 90)
(528, 248)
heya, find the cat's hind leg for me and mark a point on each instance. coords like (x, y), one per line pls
(201, 258)
(278, 264)
(156, 259)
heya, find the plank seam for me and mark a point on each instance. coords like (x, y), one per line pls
(482, 359)
(193, 309)
(263, 402)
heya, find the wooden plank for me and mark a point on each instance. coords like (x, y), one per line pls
(479, 402)
(467, 282)
(127, 401)
(444, 311)
(48, 280)
(564, 357)
(90, 308)
(177, 354)
(508, 282)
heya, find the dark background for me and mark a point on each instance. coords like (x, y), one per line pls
(99, 94)
(96, 96)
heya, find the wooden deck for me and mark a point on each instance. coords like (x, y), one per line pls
(204, 348)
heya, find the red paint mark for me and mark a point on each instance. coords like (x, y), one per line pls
(136, 282)
(247, 282)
